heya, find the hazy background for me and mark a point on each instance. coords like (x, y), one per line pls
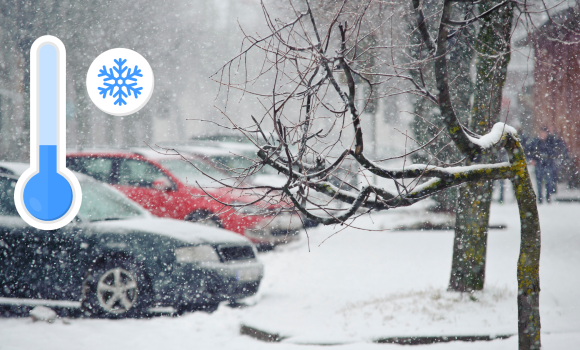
(185, 42)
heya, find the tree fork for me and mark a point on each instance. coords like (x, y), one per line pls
(529, 259)
(303, 177)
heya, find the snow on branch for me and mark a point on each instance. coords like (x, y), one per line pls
(313, 73)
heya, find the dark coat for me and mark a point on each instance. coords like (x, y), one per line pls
(548, 153)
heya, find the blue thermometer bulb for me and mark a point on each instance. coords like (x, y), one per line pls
(47, 195)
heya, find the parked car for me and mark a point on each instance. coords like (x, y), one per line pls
(165, 193)
(234, 152)
(225, 155)
(117, 260)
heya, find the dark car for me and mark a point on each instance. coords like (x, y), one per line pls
(116, 260)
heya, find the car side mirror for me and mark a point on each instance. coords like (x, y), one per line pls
(162, 184)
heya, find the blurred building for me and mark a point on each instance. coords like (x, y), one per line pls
(556, 90)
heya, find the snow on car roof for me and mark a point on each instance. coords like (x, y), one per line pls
(183, 230)
(156, 153)
(237, 146)
(14, 168)
(204, 151)
(98, 150)
(230, 147)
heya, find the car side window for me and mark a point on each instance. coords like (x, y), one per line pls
(7, 206)
(133, 172)
(98, 168)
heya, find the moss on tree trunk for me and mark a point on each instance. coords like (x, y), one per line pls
(529, 258)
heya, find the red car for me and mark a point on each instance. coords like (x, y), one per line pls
(158, 183)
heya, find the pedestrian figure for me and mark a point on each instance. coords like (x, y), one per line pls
(501, 157)
(546, 151)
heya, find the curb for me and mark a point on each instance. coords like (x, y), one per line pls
(418, 340)
(261, 335)
(442, 339)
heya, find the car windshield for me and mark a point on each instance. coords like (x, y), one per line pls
(187, 173)
(101, 202)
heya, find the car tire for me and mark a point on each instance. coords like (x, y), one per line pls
(115, 288)
(204, 217)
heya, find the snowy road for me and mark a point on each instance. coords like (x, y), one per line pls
(357, 287)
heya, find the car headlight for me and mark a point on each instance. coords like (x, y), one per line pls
(200, 253)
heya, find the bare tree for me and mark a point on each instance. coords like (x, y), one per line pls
(304, 75)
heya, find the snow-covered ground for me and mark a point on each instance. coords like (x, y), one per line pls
(356, 287)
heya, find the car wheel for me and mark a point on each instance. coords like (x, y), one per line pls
(116, 288)
(204, 217)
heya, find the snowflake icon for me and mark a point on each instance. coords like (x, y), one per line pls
(120, 81)
(121, 84)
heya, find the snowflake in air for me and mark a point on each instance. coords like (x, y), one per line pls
(120, 86)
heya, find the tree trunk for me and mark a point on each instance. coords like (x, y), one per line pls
(528, 265)
(470, 243)
(474, 201)
(529, 259)
(460, 56)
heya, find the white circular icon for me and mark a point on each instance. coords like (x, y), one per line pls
(120, 82)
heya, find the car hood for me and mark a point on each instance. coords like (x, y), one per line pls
(175, 229)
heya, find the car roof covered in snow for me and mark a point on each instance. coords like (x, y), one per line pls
(102, 152)
(199, 151)
(177, 229)
(16, 169)
(157, 153)
(13, 168)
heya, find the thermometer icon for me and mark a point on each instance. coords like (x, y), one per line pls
(47, 195)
